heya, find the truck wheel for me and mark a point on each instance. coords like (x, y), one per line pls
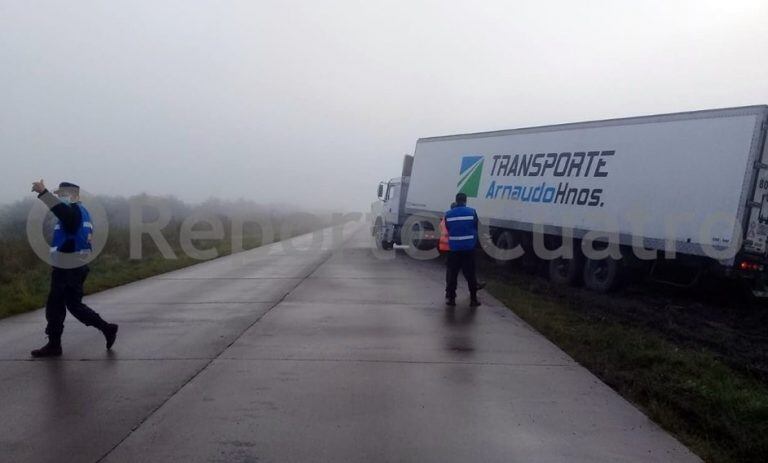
(379, 236)
(382, 243)
(563, 271)
(602, 275)
(377, 231)
(423, 230)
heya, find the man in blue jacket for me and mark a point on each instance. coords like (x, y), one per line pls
(71, 244)
(461, 222)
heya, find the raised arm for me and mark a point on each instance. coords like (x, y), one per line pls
(69, 216)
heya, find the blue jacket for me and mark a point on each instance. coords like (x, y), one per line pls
(75, 238)
(461, 222)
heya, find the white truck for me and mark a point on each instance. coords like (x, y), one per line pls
(654, 193)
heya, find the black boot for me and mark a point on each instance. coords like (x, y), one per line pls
(110, 334)
(450, 301)
(474, 302)
(52, 349)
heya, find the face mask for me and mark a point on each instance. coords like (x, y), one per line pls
(66, 200)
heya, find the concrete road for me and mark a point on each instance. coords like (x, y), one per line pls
(324, 355)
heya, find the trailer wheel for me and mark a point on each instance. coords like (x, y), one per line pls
(563, 271)
(506, 239)
(602, 275)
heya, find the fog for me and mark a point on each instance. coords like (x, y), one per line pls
(314, 102)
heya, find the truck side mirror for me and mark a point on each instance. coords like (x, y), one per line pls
(380, 191)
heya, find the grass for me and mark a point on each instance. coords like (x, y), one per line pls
(24, 279)
(719, 412)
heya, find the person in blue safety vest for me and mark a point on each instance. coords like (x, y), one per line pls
(71, 238)
(461, 222)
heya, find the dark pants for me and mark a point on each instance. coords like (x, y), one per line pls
(67, 294)
(460, 261)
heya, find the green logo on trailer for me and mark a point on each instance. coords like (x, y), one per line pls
(471, 171)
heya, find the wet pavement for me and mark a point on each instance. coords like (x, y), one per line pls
(327, 354)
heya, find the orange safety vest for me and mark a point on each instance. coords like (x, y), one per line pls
(443, 245)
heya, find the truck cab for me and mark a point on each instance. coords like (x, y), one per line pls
(388, 211)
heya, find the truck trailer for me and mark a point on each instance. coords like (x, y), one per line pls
(674, 196)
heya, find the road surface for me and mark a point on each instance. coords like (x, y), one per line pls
(320, 353)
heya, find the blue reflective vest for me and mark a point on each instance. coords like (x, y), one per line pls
(82, 237)
(462, 229)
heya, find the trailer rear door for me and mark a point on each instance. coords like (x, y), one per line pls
(756, 237)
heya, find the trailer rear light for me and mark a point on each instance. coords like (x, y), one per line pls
(750, 266)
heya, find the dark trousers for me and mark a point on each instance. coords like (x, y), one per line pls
(460, 261)
(67, 294)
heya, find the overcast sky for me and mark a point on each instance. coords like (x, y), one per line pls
(314, 102)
